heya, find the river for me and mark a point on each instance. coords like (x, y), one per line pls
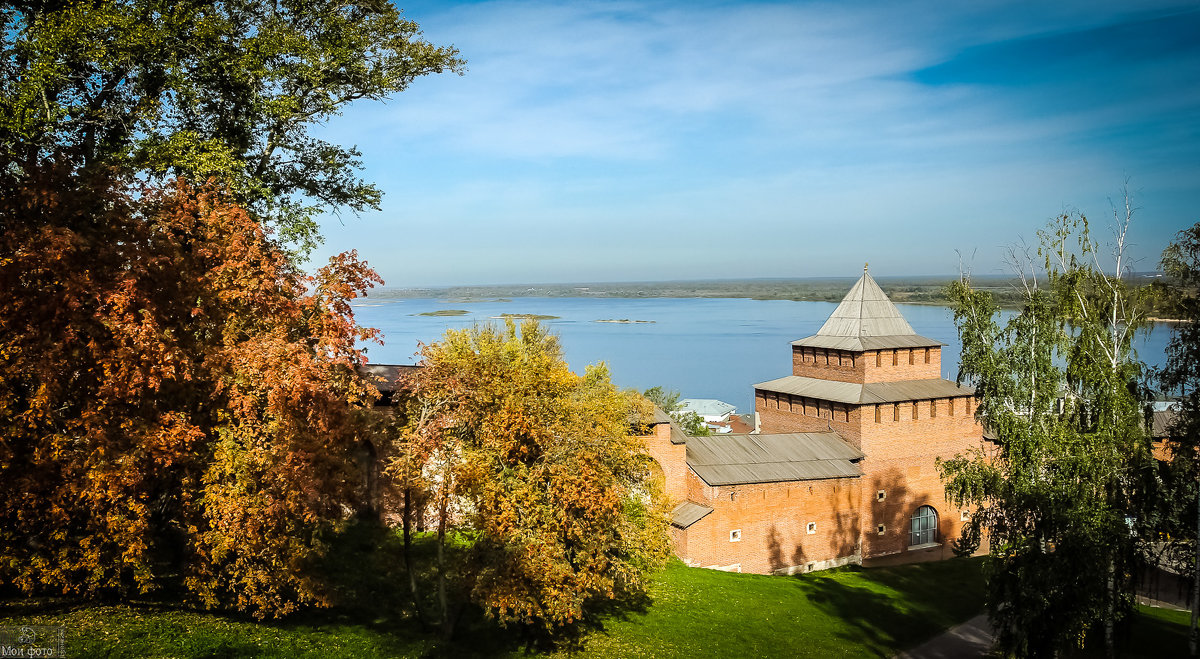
(701, 347)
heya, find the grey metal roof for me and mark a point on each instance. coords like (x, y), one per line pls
(860, 343)
(866, 320)
(737, 459)
(386, 377)
(660, 416)
(688, 513)
(864, 394)
(707, 406)
(1161, 422)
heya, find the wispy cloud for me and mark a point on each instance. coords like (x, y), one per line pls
(581, 125)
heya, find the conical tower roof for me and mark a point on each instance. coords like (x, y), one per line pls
(866, 320)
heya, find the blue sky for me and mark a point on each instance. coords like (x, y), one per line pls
(624, 141)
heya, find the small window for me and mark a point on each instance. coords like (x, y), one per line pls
(910, 357)
(895, 357)
(933, 409)
(878, 358)
(923, 529)
(811, 528)
(951, 406)
(896, 412)
(927, 355)
(880, 529)
(878, 414)
(735, 535)
(733, 496)
(914, 410)
(881, 495)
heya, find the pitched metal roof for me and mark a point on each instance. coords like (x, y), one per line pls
(866, 320)
(660, 416)
(688, 513)
(707, 406)
(860, 343)
(864, 394)
(386, 377)
(738, 459)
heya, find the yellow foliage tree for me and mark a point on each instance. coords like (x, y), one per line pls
(539, 468)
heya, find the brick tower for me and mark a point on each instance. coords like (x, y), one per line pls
(867, 376)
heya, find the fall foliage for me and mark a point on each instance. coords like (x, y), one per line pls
(538, 467)
(178, 403)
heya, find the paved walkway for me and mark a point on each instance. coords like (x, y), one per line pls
(969, 640)
(973, 638)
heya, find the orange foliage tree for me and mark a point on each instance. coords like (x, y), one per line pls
(537, 468)
(177, 401)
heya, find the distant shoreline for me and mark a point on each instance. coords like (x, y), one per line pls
(923, 290)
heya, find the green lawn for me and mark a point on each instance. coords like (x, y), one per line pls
(849, 612)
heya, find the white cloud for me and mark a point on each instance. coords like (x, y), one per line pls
(580, 125)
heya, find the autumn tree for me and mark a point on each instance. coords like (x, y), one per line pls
(1061, 497)
(537, 467)
(175, 397)
(1180, 377)
(168, 88)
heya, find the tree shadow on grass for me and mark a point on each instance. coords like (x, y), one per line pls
(897, 607)
(364, 573)
(366, 570)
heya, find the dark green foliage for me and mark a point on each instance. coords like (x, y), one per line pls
(1180, 378)
(199, 89)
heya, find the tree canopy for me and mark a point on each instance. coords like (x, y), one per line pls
(178, 403)
(1180, 379)
(181, 88)
(667, 400)
(1063, 496)
(538, 467)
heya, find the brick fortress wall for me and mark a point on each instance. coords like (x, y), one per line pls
(772, 524)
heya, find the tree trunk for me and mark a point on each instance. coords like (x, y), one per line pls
(447, 621)
(1109, 645)
(408, 563)
(1194, 634)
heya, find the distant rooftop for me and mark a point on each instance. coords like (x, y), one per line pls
(387, 377)
(866, 320)
(707, 406)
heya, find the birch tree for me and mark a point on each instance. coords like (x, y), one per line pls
(1060, 494)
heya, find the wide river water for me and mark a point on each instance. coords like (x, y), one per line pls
(701, 347)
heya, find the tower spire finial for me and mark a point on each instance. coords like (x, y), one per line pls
(865, 268)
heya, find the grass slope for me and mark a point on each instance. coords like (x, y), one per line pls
(850, 612)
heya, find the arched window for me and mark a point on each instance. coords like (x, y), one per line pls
(924, 526)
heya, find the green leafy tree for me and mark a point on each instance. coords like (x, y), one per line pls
(1180, 377)
(202, 89)
(667, 400)
(538, 467)
(1063, 492)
